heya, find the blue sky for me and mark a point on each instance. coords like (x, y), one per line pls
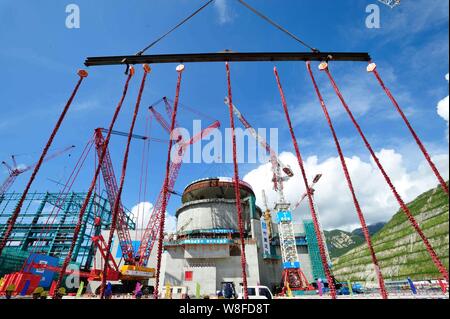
(40, 56)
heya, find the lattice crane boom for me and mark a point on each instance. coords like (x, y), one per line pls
(7, 184)
(311, 187)
(109, 177)
(153, 227)
(16, 170)
(152, 230)
(161, 120)
(8, 167)
(277, 165)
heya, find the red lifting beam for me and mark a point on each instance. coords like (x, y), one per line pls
(372, 68)
(362, 220)
(12, 220)
(162, 217)
(117, 209)
(308, 192)
(236, 184)
(402, 204)
(94, 181)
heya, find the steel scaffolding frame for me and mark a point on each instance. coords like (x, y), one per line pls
(41, 228)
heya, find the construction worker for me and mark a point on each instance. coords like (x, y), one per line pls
(108, 291)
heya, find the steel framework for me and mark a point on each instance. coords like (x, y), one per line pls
(33, 233)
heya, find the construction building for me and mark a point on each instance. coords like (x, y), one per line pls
(46, 225)
(205, 250)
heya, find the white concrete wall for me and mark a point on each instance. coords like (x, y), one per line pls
(209, 272)
(207, 251)
(210, 214)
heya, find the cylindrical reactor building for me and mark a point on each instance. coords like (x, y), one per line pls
(205, 252)
(209, 204)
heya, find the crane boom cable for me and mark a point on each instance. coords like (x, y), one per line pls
(64, 193)
(412, 131)
(305, 180)
(359, 212)
(93, 182)
(162, 216)
(149, 127)
(141, 176)
(141, 52)
(436, 260)
(82, 74)
(236, 183)
(278, 26)
(115, 213)
(58, 205)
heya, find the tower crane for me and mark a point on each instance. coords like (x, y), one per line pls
(277, 166)
(267, 215)
(293, 277)
(15, 170)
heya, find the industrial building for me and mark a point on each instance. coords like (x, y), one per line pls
(46, 225)
(205, 249)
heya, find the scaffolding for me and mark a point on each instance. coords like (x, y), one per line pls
(46, 226)
(313, 249)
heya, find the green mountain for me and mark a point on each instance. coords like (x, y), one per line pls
(339, 242)
(400, 251)
(373, 229)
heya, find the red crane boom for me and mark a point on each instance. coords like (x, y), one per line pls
(15, 171)
(153, 226)
(109, 178)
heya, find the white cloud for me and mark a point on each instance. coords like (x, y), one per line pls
(223, 11)
(88, 105)
(142, 212)
(333, 197)
(443, 108)
(170, 223)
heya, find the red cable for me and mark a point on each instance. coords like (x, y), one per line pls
(12, 220)
(149, 125)
(308, 191)
(362, 220)
(93, 182)
(414, 134)
(162, 216)
(143, 160)
(402, 204)
(236, 184)
(122, 180)
(64, 193)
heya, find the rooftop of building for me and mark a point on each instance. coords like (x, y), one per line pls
(215, 187)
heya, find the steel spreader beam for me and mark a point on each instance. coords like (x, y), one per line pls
(228, 57)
